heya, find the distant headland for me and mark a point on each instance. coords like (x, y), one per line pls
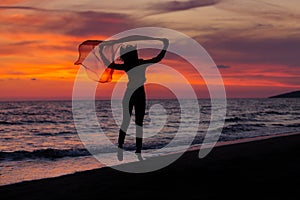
(295, 94)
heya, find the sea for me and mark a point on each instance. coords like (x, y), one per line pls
(39, 139)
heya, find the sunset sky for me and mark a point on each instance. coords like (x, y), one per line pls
(255, 43)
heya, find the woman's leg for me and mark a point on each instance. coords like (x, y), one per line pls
(127, 104)
(139, 106)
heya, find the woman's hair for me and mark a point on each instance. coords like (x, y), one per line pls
(128, 52)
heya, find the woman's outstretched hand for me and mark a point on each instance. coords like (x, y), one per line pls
(165, 41)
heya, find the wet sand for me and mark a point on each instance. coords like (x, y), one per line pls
(268, 168)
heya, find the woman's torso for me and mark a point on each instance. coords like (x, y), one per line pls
(136, 74)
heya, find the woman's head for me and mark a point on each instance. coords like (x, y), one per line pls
(129, 53)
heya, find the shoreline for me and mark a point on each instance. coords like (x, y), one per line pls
(192, 148)
(266, 164)
(243, 140)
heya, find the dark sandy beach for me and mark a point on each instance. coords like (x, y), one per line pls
(267, 168)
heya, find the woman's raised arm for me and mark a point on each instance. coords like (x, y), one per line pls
(161, 55)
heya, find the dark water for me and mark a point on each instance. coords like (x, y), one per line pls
(39, 139)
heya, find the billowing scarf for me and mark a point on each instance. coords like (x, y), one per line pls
(90, 59)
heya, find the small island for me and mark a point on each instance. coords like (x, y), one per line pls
(295, 94)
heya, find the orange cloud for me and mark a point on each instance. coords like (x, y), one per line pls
(9, 2)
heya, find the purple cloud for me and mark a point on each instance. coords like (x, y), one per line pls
(88, 23)
(279, 51)
(182, 5)
(22, 8)
(66, 22)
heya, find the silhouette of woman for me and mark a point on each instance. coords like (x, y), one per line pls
(135, 92)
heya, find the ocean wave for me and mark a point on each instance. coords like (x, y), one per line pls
(28, 122)
(275, 113)
(40, 122)
(242, 127)
(253, 115)
(55, 134)
(236, 119)
(293, 125)
(287, 125)
(282, 125)
(43, 153)
(9, 123)
(52, 154)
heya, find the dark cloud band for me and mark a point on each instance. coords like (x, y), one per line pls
(185, 5)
